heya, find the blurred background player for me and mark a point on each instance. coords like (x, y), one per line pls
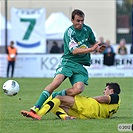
(11, 57)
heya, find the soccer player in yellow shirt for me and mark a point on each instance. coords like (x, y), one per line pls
(68, 107)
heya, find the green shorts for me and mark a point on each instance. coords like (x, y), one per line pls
(75, 71)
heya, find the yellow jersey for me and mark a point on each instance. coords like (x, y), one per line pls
(87, 107)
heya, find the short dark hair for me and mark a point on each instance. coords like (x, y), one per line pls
(77, 12)
(115, 87)
(12, 42)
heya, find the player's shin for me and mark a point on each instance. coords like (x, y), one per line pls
(43, 97)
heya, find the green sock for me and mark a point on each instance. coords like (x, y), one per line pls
(43, 97)
(61, 93)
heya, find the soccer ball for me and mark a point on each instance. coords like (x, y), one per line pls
(11, 87)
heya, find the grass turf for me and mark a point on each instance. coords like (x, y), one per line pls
(30, 88)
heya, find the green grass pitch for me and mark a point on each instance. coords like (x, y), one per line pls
(30, 88)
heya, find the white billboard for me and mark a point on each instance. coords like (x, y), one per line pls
(44, 65)
(28, 30)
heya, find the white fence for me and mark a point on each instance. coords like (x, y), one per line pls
(44, 65)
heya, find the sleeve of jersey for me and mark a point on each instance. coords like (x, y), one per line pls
(114, 98)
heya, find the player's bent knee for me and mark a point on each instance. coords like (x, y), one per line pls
(78, 91)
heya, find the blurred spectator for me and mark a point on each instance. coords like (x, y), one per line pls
(62, 48)
(108, 55)
(47, 43)
(101, 39)
(55, 48)
(122, 49)
(109, 48)
(11, 57)
(131, 49)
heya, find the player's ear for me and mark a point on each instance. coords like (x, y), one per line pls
(111, 91)
(72, 20)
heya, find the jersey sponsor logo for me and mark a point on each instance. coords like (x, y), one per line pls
(83, 46)
(72, 44)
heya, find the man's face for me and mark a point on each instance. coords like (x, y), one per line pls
(78, 22)
(12, 45)
(122, 43)
(108, 91)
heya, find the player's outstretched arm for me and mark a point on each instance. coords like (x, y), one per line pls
(103, 99)
(85, 50)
